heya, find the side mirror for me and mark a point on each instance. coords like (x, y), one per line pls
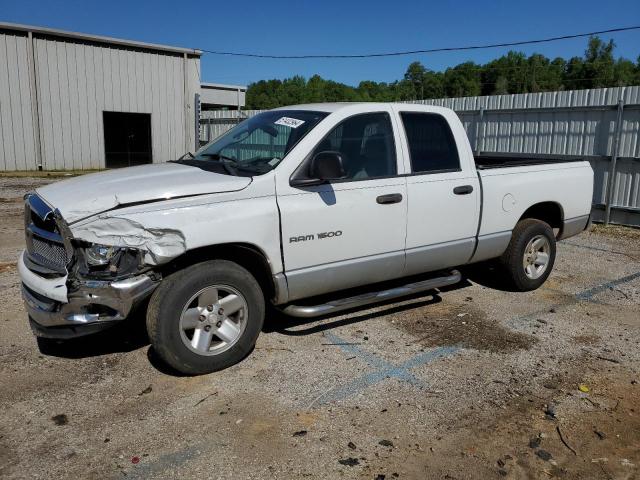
(324, 166)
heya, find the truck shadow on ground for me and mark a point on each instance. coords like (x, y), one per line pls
(278, 322)
(126, 336)
(486, 274)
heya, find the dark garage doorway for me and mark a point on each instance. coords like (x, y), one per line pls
(127, 139)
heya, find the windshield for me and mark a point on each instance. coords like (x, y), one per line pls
(259, 143)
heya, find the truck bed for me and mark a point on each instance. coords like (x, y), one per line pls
(511, 184)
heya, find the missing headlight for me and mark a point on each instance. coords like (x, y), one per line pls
(104, 261)
(99, 254)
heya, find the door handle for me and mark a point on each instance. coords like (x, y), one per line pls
(463, 190)
(389, 198)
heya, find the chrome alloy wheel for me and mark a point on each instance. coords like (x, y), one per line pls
(213, 320)
(536, 257)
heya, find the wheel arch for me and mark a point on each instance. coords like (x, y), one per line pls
(247, 255)
(549, 212)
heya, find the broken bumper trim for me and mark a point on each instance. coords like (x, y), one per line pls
(93, 303)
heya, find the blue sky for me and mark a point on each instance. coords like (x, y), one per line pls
(329, 26)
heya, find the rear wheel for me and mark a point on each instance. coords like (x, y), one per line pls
(530, 256)
(206, 317)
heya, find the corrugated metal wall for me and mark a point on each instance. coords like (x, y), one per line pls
(214, 123)
(581, 123)
(576, 122)
(76, 81)
(570, 123)
(17, 139)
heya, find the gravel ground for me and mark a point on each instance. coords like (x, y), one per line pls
(472, 382)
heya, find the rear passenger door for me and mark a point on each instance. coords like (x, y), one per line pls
(442, 190)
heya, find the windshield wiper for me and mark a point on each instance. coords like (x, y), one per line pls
(217, 156)
(232, 164)
(229, 164)
(266, 160)
(259, 165)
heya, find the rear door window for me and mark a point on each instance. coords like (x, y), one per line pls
(432, 148)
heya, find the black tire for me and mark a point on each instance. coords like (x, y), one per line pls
(512, 259)
(169, 300)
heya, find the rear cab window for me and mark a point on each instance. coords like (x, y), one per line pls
(432, 147)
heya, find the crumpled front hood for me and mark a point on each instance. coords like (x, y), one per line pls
(81, 197)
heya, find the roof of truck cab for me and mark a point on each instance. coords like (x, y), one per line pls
(319, 107)
(335, 106)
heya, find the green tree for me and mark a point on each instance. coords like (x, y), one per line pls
(574, 74)
(462, 80)
(414, 76)
(501, 86)
(513, 72)
(544, 75)
(625, 72)
(369, 91)
(293, 90)
(433, 84)
(599, 63)
(426, 83)
(509, 73)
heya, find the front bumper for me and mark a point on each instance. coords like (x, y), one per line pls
(57, 313)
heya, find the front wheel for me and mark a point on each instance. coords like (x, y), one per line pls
(530, 256)
(206, 317)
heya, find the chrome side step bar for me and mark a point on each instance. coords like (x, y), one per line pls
(309, 311)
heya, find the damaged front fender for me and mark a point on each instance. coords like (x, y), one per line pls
(159, 245)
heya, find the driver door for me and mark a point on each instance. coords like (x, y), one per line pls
(347, 232)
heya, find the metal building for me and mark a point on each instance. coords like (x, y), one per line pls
(216, 96)
(71, 101)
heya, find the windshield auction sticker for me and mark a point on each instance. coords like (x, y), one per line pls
(289, 122)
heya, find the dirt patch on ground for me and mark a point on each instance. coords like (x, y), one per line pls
(462, 326)
(554, 432)
(7, 266)
(586, 339)
(616, 231)
(24, 185)
(567, 434)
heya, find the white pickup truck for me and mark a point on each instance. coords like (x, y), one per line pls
(295, 206)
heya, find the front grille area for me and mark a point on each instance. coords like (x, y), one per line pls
(54, 253)
(45, 246)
